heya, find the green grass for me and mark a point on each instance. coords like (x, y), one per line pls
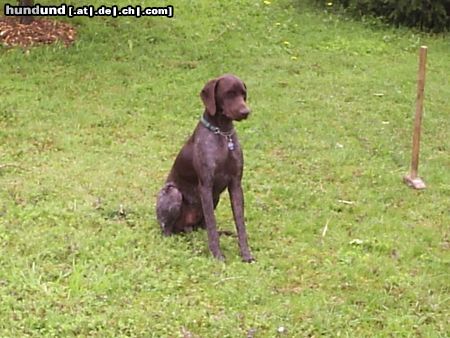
(88, 130)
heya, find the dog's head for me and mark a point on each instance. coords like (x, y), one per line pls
(226, 95)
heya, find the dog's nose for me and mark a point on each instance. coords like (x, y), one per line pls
(245, 112)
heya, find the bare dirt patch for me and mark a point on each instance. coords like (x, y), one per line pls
(40, 31)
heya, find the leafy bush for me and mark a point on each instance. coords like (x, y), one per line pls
(428, 15)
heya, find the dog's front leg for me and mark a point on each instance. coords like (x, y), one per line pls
(237, 205)
(210, 220)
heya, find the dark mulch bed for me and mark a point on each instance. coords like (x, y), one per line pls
(40, 31)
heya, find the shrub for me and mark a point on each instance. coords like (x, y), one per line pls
(428, 15)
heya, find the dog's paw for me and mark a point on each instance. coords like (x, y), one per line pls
(219, 256)
(248, 259)
(167, 232)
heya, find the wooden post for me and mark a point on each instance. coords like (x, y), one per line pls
(413, 180)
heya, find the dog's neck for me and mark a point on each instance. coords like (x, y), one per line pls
(220, 121)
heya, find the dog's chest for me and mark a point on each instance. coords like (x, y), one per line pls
(228, 161)
(213, 159)
(227, 167)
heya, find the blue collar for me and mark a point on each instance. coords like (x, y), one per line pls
(214, 129)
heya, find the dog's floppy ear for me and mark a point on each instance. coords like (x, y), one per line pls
(208, 95)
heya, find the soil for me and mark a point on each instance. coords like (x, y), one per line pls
(40, 31)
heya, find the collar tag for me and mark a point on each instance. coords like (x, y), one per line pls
(230, 143)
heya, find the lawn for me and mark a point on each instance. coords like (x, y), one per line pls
(343, 247)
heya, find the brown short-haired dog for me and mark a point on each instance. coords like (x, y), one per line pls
(210, 161)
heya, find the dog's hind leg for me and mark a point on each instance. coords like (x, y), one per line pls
(168, 207)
